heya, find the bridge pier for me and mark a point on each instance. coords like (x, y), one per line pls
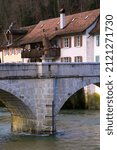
(20, 125)
(23, 125)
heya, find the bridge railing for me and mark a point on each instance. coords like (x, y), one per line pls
(71, 69)
(39, 70)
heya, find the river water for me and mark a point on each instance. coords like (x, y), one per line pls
(76, 130)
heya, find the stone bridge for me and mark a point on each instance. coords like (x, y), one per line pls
(35, 92)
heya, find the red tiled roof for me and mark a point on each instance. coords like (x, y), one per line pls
(28, 28)
(74, 23)
(20, 33)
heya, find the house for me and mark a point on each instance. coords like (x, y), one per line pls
(69, 33)
(63, 39)
(10, 51)
(69, 38)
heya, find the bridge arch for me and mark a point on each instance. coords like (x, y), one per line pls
(68, 87)
(21, 114)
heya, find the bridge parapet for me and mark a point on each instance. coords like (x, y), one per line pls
(39, 70)
(70, 69)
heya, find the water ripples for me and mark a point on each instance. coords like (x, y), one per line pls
(76, 130)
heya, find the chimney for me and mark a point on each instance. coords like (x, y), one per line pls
(62, 18)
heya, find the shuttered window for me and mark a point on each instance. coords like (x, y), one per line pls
(66, 42)
(78, 41)
(78, 59)
(66, 59)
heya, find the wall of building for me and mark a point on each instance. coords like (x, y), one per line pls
(75, 51)
(90, 49)
(12, 55)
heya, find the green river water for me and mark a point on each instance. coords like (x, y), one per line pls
(76, 130)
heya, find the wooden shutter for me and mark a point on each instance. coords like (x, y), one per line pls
(69, 41)
(75, 41)
(81, 58)
(15, 51)
(62, 59)
(69, 59)
(61, 42)
(81, 40)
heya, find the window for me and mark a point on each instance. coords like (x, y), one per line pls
(54, 43)
(18, 51)
(13, 51)
(66, 42)
(78, 41)
(97, 40)
(66, 59)
(6, 52)
(78, 59)
(97, 58)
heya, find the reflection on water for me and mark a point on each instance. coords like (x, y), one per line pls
(76, 130)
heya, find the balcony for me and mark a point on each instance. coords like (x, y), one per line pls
(49, 53)
(32, 53)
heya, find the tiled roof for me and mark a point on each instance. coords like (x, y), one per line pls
(74, 23)
(19, 33)
(28, 28)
